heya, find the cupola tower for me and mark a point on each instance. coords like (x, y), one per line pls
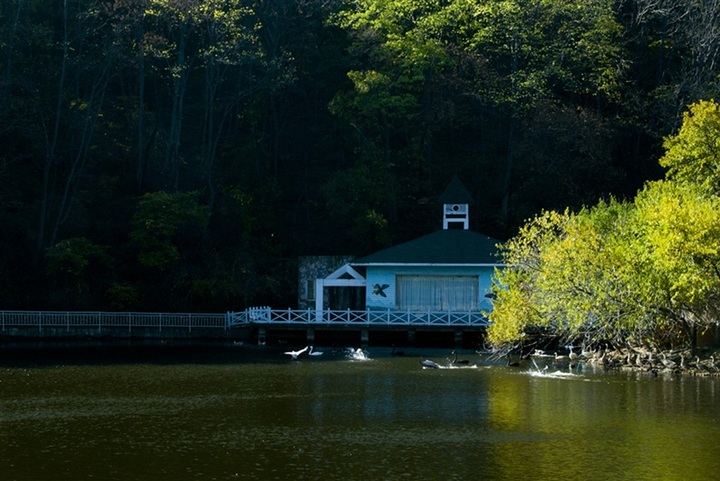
(456, 202)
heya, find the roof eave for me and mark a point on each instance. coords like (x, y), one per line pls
(427, 264)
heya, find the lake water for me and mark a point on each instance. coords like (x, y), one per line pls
(159, 412)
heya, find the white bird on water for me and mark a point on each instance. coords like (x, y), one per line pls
(314, 353)
(428, 364)
(295, 354)
(358, 355)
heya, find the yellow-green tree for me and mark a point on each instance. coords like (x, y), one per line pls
(680, 225)
(642, 272)
(569, 276)
(693, 155)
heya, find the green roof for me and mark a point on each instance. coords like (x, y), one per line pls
(453, 246)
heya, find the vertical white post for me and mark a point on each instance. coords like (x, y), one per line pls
(319, 298)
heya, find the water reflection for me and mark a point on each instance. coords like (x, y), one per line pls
(641, 426)
(254, 414)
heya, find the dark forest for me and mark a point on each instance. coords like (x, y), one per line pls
(179, 155)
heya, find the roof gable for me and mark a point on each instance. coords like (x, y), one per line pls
(455, 246)
(456, 193)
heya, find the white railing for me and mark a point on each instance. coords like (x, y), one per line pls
(266, 315)
(256, 315)
(99, 320)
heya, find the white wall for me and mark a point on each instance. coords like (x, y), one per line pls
(382, 276)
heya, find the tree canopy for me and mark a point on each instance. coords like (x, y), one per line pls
(642, 272)
(181, 154)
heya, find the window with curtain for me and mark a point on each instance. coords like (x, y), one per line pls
(437, 293)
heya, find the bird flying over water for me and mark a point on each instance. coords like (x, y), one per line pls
(295, 354)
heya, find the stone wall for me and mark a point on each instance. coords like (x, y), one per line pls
(319, 267)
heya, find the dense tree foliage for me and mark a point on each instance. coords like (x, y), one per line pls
(180, 154)
(645, 272)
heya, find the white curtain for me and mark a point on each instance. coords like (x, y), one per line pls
(437, 293)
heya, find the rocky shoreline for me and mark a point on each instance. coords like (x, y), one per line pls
(634, 359)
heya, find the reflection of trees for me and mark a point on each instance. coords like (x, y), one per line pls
(465, 424)
(646, 426)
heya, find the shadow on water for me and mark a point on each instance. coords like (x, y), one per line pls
(54, 353)
(111, 352)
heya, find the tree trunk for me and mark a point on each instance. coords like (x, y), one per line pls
(507, 178)
(178, 106)
(140, 141)
(53, 141)
(92, 112)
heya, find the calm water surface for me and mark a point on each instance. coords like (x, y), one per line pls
(225, 413)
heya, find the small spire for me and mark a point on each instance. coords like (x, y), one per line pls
(456, 193)
(456, 201)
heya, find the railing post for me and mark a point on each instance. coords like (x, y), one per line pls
(364, 337)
